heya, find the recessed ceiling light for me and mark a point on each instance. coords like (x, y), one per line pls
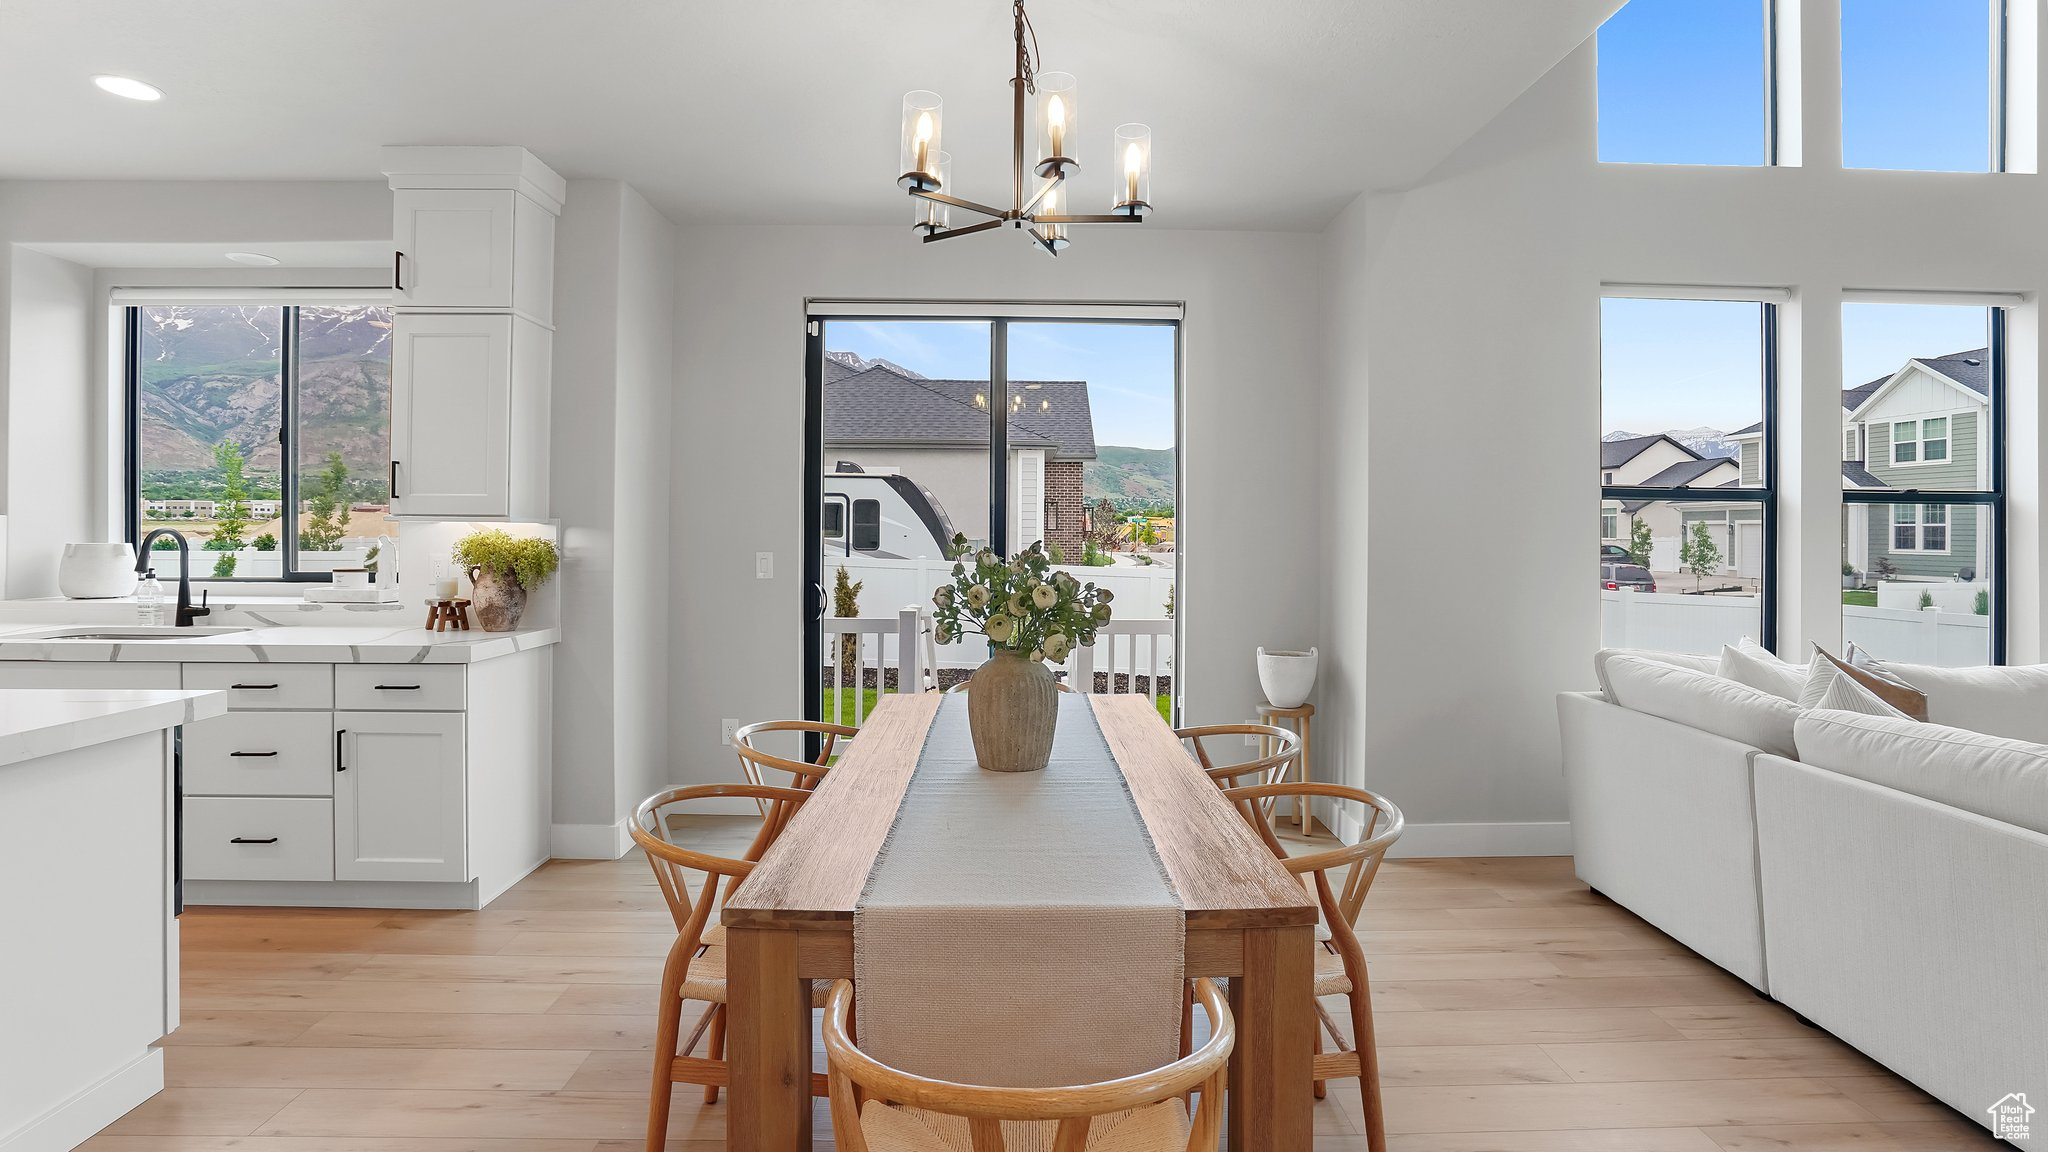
(256, 258)
(132, 89)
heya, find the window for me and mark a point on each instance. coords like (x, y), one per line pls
(1686, 463)
(1920, 83)
(867, 525)
(1685, 82)
(1922, 583)
(262, 433)
(835, 519)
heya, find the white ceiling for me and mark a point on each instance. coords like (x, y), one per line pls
(1265, 113)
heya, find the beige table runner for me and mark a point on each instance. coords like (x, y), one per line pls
(1018, 929)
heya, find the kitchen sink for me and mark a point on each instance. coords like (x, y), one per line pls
(129, 635)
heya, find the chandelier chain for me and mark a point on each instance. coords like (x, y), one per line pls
(1028, 60)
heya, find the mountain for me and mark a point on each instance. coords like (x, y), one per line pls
(1129, 477)
(1708, 442)
(212, 373)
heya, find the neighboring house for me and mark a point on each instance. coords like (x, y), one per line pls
(1661, 462)
(888, 419)
(1926, 426)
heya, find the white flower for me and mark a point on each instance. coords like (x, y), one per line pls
(1103, 596)
(986, 557)
(942, 634)
(944, 596)
(1016, 605)
(1044, 596)
(1037, 654)
(1102, 613)
(977, 596)
(999, 628)
(1056, 648)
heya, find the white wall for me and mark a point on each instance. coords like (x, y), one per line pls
(50, 405)
(1250, 538)
(1475, 298)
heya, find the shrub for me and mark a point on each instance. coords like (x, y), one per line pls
(164, 544)
(223, 565)
(528, 562)
(1927, 600)
(264, 543)
(1983, 606)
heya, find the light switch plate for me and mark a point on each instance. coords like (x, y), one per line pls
(764, 565)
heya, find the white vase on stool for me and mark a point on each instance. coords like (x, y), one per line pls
(1287, 677)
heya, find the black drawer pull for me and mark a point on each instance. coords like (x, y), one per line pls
(398, 687)
(252, 753)
(338, 734)
(252, 687)
(248, 840)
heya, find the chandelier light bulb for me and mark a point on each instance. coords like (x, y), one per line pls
(1056, 121)
(924, 141)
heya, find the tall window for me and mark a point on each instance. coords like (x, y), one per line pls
(262, 433)
(1920, 84)
(1923, 413)
(1686, 462)
(1686, 82)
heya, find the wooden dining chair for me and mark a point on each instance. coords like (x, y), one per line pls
(876, 1108)
(1279, 754)
(695, 969)
(1340, 961)
(805, 774)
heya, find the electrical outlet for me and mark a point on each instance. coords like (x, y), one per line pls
(727, 729)
(764, 565)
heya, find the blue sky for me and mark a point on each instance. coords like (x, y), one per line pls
(1128, 367)
(1682, 82)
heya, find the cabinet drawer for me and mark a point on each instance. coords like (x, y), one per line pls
(398, 688)
(236, 838)
(267, 685)
(86, 674)
(260, 754)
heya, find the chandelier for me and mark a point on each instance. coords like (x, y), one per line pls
(928, 172)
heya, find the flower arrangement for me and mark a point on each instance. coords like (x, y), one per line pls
(526, 562)
(1022, 605)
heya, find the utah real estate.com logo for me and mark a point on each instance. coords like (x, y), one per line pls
(2009, 1117)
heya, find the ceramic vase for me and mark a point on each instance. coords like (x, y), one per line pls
(97, 571)
(1012, 705)
(499, 600)
(1287, 677)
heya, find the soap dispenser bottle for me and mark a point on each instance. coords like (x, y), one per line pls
(149, 599)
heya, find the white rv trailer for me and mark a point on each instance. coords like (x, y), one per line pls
(882, 517)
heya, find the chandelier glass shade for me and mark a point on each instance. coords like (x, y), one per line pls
(1042, 159)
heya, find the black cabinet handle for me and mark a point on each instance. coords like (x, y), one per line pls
(398, 687)
(253, 687)
(397, 259)
(250, 840)
(252, 753)
(338, 734)
(394, 479)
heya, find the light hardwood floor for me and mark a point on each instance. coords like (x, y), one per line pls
(1517, 1013)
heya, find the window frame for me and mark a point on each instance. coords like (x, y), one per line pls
(288, 442)
(1765, 495)
(856, 532)
(1920, 523)
(1920, 440)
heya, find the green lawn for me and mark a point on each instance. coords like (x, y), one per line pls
(1860, 599)
(828, 699)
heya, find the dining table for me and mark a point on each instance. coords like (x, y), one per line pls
(792, 921)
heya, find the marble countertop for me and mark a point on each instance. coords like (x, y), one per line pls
(359, 644)
(38, 722)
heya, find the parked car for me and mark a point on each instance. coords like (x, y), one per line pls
(1616, 554)
(1633, 577)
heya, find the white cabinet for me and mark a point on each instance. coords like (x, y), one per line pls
(399, 797)
(454, 248)
(469, 416)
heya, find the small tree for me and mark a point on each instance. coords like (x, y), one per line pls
(846, 603)
(1926, 600)
(1699, 554)
(1983, 605)
(1883, 568)
(1639, 541)
(326, 507)
(231, 513)
(1103, 524)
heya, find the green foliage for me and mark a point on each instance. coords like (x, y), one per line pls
(846, 605)
(1639, 541)
(1093, 557)
(264, 543)
(1058, 554)
(529, 562)
(164, 544)
(1983, 604)
(224, 565)
(1171, 592)
(1699, 554)
(326, 506)
(1883, 568)
(1926, 600)
(1859, 598)
(1021, 605)
(231, 518)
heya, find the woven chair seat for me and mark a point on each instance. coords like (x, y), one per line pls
(1161, 1127)
(1330, 977)
(707, 977)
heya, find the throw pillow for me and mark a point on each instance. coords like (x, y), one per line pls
(2010, 702)
(1820, 675)
(1761, 669)
(1704, 701)
(1697, 663)
(1904, 696)
(1991, 776)
(1846, 695)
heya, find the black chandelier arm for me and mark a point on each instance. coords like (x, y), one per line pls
(941, 198)
(1044, 190)
(969, 230)
(1108, 219)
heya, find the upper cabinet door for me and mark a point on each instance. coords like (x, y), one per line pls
(451, 398)
(455, 248)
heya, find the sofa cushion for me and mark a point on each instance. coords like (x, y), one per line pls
(1761, 669)
(1845, 694)
(2009, 702)
(1990, 775)
(1704, 701)
(1677, 659)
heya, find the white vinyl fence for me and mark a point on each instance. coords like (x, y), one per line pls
(1702, 624)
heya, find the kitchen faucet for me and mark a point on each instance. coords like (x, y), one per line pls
(186, 612)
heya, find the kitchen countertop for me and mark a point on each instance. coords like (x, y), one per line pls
(370, 644)
(38, 722)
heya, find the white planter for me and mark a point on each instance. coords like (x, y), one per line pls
(1287, 677)
(97, 571)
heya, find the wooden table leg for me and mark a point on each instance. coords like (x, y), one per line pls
(768, 1043)
(1272, 1095)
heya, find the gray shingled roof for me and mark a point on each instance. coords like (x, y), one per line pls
(1971, 369)
(1855, 475)
(1686, 471)
(1615, 453)
(886, 405)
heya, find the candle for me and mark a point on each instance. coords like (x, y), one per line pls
(1056, 122)
(1133, 160)
(924, 141)
(445, 588)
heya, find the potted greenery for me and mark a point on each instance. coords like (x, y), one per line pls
(503, 569)
(1030, 614)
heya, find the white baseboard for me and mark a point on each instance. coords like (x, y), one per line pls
(1433, 840)
(73, 1121)
(332, 894)
(589, 841)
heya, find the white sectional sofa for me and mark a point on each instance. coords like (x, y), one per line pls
(1886, 879)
